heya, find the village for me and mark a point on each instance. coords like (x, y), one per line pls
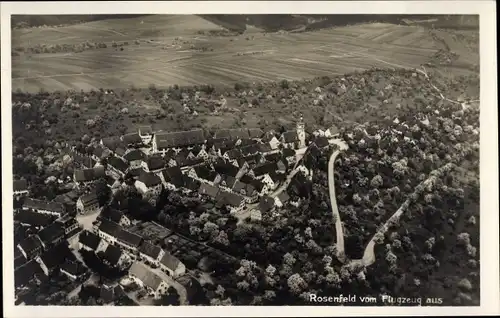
(245, 172)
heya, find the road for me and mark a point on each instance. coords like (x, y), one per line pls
(87, 220)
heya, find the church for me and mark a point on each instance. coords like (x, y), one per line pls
(295, 139)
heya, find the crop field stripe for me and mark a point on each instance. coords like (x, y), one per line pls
(226, 77)
(242, 72)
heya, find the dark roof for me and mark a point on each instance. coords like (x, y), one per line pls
(228, 180)
(169, 154)
(284, 197)
(237, 133)
(228, 198)
(207, 189)
(120, 151)
(35, 204)
(111, 214)
(264, 147)
(74, 268)
(89, 174)
(85, 161)
(264, 168)
(31, 243)
(250, 150)
(196, 150)
(290, 136)
(190, 183)
(174, 176)
(107, 293)
(238, 186)
(179, 138)
(258, 185)
(129, 238)
(136, 172)
(109, 227)
(89, 239)
(255, 132)
(23, 274)
(89, 198)
(277, 176)
(267, 137)
(183, 152)
(222, 144)
(248, 142)
(57, 255)
(132, 139)
(98, 151)
(111, 142)
(144, 274)
(51, 232)
(145, 130)
(266, 203)
(246, 179)
(321, 142)
(226, 168)
(20, 185)
(204, 172)
(118, 164)
(234, 154)
(33, 218)
(149, 179)
(287, 152)
(150, 250)
(112, 254)
(273, 157)
(155, 162)
(170, 261)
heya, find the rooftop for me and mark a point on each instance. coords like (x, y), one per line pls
(149, 179)
(150, 250)
(20, 185)
(179, 138)
(109, 227)
(145, 275)
(89, 239)
(207, 189)
(35, 204)
(90, 174)
(118, 164)
(129, 238)
(51, 232)
(134, 155)
(33, 218)
(112, 254)
(170, 261)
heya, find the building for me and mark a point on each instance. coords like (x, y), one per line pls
(190, 184)
(260, 171)
(172, 265)
(289, 155)
(289, 139)
(74, 270)
(232, 201)
(88, 176)
(134, 158)
(256, 215)
(301, 133)
(27, 274)
(128, 240)
(108, 231)
(70, 225)
(20, 188)
(281, 199)
(148, 182)
(117, 167)
(203, 173)
(30, 246)
(271, 140)
(132, 140)
(172, 178)
(32, 219)
(115, 216)
(150, 253)
(266, 204)
(54, 257)
(147, 279)
(53, 208)
(208, 190)
(52, 235)
(146, 133)
(113, 256)
(321, 142)
(332, 132)
(91, 242)
(153, 163)
(88, 203)
(178, 139)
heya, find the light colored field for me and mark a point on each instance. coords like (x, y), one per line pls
(288, 56)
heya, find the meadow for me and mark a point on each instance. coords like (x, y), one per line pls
(166, 56)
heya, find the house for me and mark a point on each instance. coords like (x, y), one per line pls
(265, 148)
(55, 257)
(74, 270)
(134, 158)
(53, 208)
(70, 226)
(112, 142)
(172, 265)
(256, 215)
(27, 273)
(232, 154)
(273, 157)
(178, 139)
(232, 134)
(120, 152)
(128, 240)
(88, 203)
(172, 178)
(266, 204)
(250, 150)
(319, 133)
(148, 182)
(255, 133)
(87, 176)
(204, 173)
(30, 246)
(151, 253)
(227, 181)
(331, 132)
(145, 278)
(117, 167)
(100, 153)
(115, 216)
(68, 200)
(282, 166)
(208, 190)
(154, 163)
(202, 154)
(289, 139)
(83, 161)
(113, 256)
(146, 133)
(271, 140)
(232, 201)
(281, 199)
(52, 235)
(190, 184)
(260, 171)
(33, 219)
(321, 141)
(289, 155)
(20, 188)
(226, 169)
(108, 230)
(132, 139)
(91, 242)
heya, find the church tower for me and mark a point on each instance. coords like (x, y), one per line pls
(301, 133)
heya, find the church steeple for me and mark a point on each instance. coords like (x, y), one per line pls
(301, 133)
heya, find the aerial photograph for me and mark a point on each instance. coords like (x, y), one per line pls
(245, 160)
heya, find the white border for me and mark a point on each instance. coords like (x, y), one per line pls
(488, 166)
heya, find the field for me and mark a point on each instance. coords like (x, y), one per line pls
(161, 61)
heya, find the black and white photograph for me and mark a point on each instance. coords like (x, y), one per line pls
(270, 159)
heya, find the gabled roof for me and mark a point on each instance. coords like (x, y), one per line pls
(155, 162)
(111, 142)
(290, 136)
(107, 293)
(179, 138)
(150, 250)
(272, 157)
(238, 186)
(85, 161)
(120, 151)
(228, 180)
(265, 147)
(109, 227)
(20, 185)
(258, 185)
(145, 275)
(247, 179)
(33, 218)
(35, 204)
(31, 243)
(170, 261)
(118, 164)
(190, 183)
(222, 144)
(89, 199)
(129, 238)
(207, 189)
(132, 139)
(238, 133)
(268, 137)
(112, 254)
(250, 150)
(23, 274)
(321, 142)
(204, 172)
(51, 232)
(57, 255)
(174, 176)
(112, 214)
(226, 168)
(74, 268)
(277, 177)
(234, 154)
(145, 130)
(248, 142)
(283, 197)
(91, 174)
(264, 168)
(287, 152)
(89, 239)
(149, 179)
(195, 150)
(255, 132)
(229, 198)
(266, 203)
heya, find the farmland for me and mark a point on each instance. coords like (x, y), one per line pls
(161, 60)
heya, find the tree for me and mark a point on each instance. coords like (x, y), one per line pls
(296, 284)
(222, 238)
(103, 192)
